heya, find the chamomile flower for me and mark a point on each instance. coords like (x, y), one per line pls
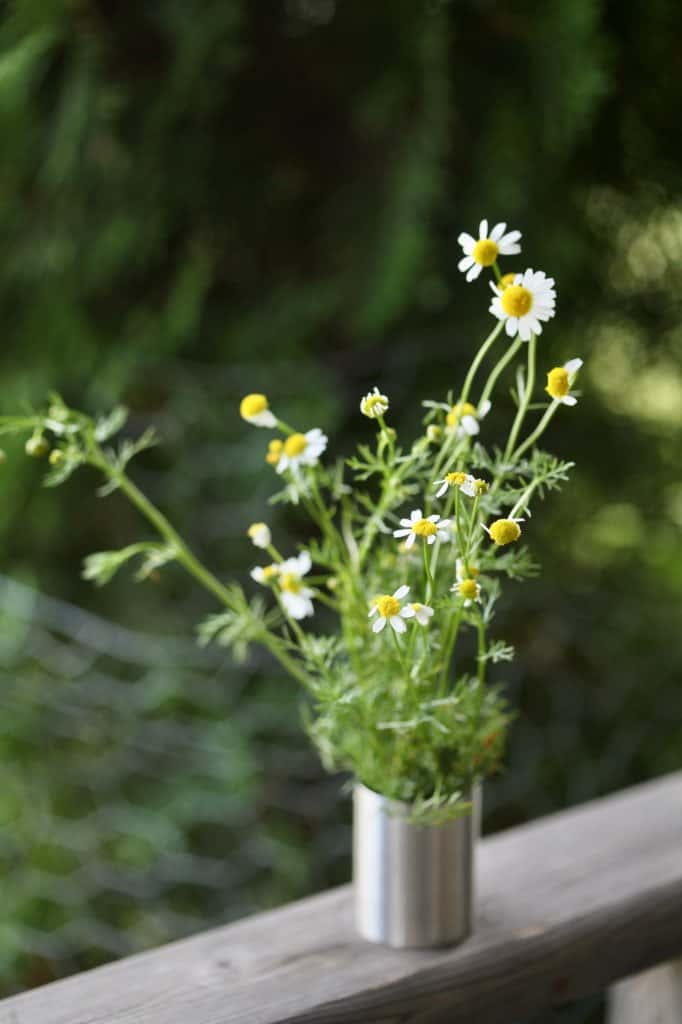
(259, 534)
(525, 303)
(296, 597)
(302, 450)
(504, 531)
(422, 613)
(389, 609)
(474, 487)
(265, 574)
(457, 479)
(431, 528)
(256, 409)
(469, 589)
(374, 405)
(483, 251)
(464, 417)
(559, 382)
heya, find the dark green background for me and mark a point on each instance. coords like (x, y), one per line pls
(200, 199)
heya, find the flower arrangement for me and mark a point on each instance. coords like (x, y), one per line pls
(410, 543)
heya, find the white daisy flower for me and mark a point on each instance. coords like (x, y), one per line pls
(302, 450)
(464, 417)
(474, 487)
(525, 303)
(260, 535)
(504, 531)
(389, 610)
(559, 381)
(469, 589)
(374, 404)
(483, 251)
(422, 612)
(431, 529)
(457, 479)
(296, 598)
(264, 574)
(255, 409)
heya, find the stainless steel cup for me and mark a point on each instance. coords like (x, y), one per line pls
(413, 884)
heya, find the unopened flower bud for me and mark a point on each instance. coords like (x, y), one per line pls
(434, 432)
(56, 457)
(37, 446)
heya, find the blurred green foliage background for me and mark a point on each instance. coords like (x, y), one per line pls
(200, 199)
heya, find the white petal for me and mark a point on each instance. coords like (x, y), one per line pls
(416, 515)
(497, 232)
(397, 624)
(374, 610)
(304, 563)
(568, 400)
(511, 326)
(378, 625)
(483, 229)
(410, 540)
(433, 518)
(407, 612)
(474, 272)
(466, 241)
(511, 236)
(431, 539)
(484, 409)
(407, 523)
(442, 490)
(469, 425)
(402, 592)
(573, 365)
(401, 533)
(465, 263)
(524, 329)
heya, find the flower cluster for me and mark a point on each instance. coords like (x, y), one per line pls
(417, 537)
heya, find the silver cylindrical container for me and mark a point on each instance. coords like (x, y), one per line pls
(413, 884)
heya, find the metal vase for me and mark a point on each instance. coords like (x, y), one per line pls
(413, 884)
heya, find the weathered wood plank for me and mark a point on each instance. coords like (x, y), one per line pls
(567, 905)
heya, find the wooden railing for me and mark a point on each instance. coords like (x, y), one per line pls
(566, 906)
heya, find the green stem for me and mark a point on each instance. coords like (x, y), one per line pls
(499, 368)
(427, 570)
(539, 430)
(496, 270)
(524, 400)
(478, 359)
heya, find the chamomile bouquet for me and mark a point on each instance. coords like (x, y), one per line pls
(410, 542)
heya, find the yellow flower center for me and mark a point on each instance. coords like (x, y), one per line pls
(457, 411)
(455, 479)
(468, 589)
(290, 583)
(388, 606)
(481, 487)
(256, 529)
(269, 571)
(274, 452)
(506, 280)
(505, 531)
(424, 528)
(372, 401)
(485, 252)
(557, 382)
(295, 445)
(252, 405)
(416, 606)
(516, 300)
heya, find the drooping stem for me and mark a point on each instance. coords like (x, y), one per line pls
(539, 430)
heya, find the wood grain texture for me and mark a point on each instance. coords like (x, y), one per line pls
(566, 905)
